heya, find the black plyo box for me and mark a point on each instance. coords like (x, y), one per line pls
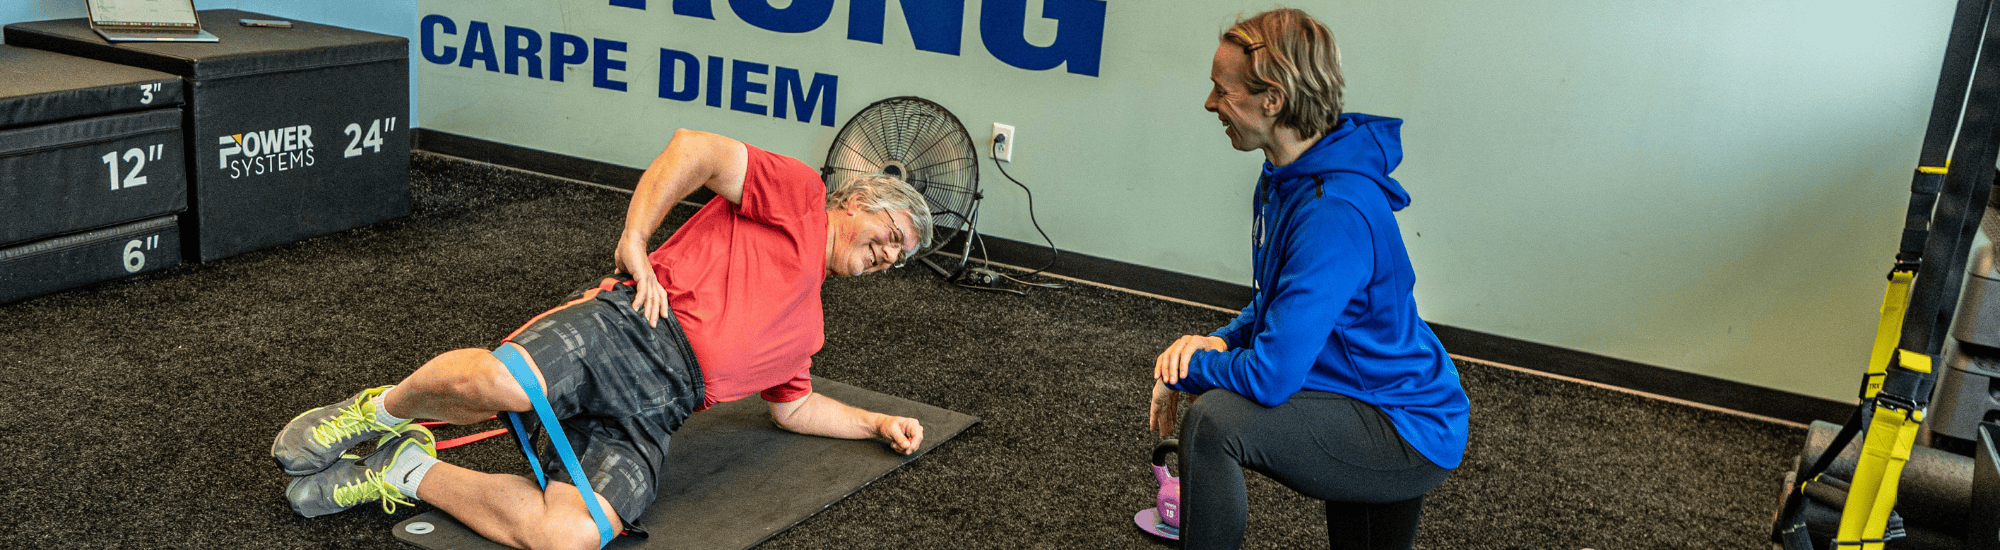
(85, 144)
(1983, 533)
(39, 87)
(78, 259)
(291, 132)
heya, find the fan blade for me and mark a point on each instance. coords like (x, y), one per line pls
(929, 146)
(975, 164)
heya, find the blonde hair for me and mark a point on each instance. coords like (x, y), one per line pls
(1295, 54)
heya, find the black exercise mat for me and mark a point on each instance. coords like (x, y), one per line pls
(736, 479)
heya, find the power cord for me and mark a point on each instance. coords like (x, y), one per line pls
(1053, 251)
(984, 277)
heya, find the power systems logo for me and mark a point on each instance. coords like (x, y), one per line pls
(268, 151)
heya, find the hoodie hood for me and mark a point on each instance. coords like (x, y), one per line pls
(1363, 145)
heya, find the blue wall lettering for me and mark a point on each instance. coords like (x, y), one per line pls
(479, 46)
(714, 81)
(693, 8)
(803, 98)
(938, 26)
(429, 39)
(801, 16)
(524, 44)
(689, 73)
(740, 72)
(681, 74)
(696, 8)
(1079, 34)
(790, 92)
(935, 25)
(601, 70)
(565, 50)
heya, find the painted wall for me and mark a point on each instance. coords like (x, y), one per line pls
(397, 17)
(1710, 186)
(40, 10)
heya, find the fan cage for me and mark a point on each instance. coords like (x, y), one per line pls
(921, 142)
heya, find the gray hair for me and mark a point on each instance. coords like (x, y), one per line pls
(879, 192)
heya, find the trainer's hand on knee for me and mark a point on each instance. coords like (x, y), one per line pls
(1172, 365)
(903, 433)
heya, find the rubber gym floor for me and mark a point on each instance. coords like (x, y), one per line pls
(140, 412)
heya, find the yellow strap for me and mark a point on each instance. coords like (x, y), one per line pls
(1873, 493)
(1884, 451)
(1888, 330)
(1914, 361)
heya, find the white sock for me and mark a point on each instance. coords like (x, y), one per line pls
(382, 415)
(408, 472)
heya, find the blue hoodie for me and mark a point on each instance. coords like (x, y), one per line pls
(1333, 309)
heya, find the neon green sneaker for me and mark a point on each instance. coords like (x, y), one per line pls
(317, 438)
(352, 481)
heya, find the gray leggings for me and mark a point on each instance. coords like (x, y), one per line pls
(1324, 445)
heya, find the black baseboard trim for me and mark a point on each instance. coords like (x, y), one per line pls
(532, 160)
(1204, 291)
(1686, 386)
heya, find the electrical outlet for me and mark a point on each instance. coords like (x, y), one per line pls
(1003, 142)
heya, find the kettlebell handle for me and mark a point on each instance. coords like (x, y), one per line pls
(1160, 452)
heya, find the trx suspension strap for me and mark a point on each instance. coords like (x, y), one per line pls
(1916, 310)
(511, 356)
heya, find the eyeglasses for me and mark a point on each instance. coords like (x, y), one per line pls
(895, 232)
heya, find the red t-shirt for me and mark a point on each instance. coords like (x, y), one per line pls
(744, 281)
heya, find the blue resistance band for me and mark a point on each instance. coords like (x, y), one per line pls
(510, 355)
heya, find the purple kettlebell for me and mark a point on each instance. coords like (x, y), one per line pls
(1164, 520)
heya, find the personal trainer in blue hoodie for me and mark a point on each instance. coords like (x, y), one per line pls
(1328, 382)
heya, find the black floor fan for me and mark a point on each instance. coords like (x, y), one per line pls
(919, 141)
